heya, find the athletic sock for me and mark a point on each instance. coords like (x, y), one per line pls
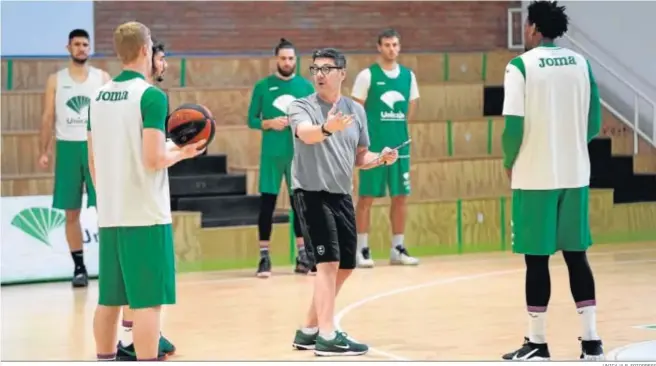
(310, 331)
(264, 249)
(106, 357)
(397, 240)
(537, 327)
(78, 259)
(362, 241)
(588, 322)
(328, 336)
(126, 338)
(300, 248)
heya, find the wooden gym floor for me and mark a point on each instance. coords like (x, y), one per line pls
(448, 308)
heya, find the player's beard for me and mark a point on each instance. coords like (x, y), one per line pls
(79, 61)
(284, 73)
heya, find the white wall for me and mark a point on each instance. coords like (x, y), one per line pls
(40, 28)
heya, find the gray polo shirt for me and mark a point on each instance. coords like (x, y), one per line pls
(327, 165)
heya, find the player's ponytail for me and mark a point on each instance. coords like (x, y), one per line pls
(284, 43)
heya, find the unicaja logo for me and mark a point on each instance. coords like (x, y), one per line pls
(282, 102)
(390, 98)
(77, 104)
(39, 222)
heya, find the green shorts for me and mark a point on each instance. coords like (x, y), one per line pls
(546, 221)
(272, 169)
(136, 266)
(72, 175)
(374, 182)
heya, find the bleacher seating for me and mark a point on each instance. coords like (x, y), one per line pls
(461, 198)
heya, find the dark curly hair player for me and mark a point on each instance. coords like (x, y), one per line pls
(551, 99)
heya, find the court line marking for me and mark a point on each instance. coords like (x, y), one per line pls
(340, 315)
(615, 354)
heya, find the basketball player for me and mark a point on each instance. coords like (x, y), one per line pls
(389, 93)
(267, 112)
(125, 348)
(66, 101)
(331, 137)
(136, 259)
(552, 111)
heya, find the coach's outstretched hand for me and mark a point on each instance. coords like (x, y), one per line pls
(337, 121)
(389, 156)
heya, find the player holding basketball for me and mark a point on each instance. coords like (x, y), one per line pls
(67, 96)
(389, 93)
(137, 259)
(268, 112)
(552, 111)
(125, 348)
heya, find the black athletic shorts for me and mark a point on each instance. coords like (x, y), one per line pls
(328, 224)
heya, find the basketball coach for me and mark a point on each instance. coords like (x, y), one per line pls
(331, 139)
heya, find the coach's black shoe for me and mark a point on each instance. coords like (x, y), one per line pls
(303, 264)
(529, 352)
(128, 353)
(80, 277)
(592, 350)
(264, 267)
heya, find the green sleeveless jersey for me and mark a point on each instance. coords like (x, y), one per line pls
(271, 98)
(387, 108)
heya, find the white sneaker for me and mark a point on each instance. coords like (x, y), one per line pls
(363, 258)
(399, 255)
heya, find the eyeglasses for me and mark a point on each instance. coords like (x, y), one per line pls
(325, 69)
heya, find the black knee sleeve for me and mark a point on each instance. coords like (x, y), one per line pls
(265, 218)
(297, 224)
(538, 282)
(581, 280)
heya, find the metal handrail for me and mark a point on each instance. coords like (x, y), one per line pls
(636, 106)
(637, 93)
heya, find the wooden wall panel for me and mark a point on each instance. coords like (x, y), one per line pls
(466, 67)
(3, 73)
(241, 144)
(226, 72)
(481, 224)
(228, 105)
(20, 153)
(496, 62)
(21, 110)
(29, 185)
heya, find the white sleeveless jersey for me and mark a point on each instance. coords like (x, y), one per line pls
(550, 87)
(72, 103)
(127, 193)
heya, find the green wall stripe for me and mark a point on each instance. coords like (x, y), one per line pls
(445, 74)
(484, 67)
(502, 202)
(489, 136)
(459, 224)
(183, 72)
(449, 137)
(292, 238)
(10, 74)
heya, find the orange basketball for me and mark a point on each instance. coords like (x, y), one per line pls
(190, 123)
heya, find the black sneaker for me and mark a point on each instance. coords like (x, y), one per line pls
(303, 264)
(80, 277)
(264, 267)
(529, 352)
(128, 353)
(592, 350)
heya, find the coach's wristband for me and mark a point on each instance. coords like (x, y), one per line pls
(324, 131)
